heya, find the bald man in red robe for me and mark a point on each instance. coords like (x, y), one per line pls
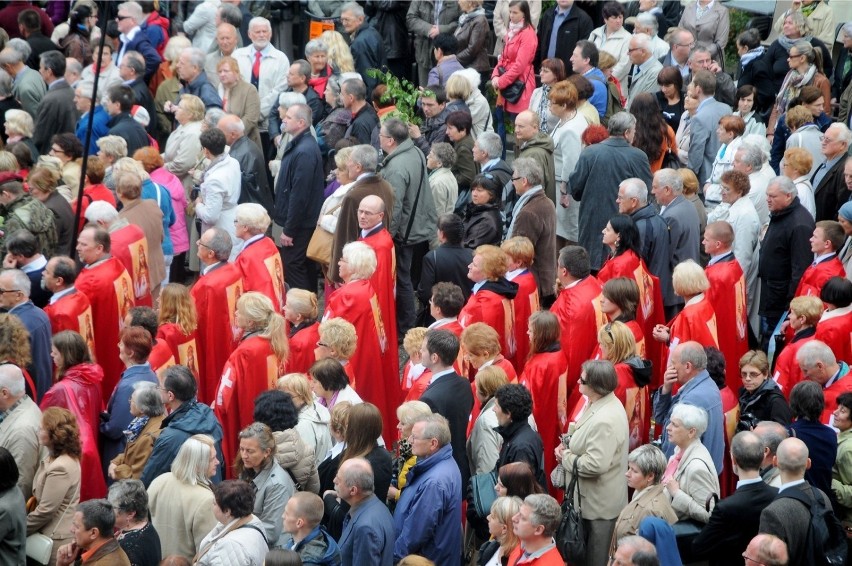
(215, 294)
(727, 294)
(259, 261)
(106, 283)
(68, 308)
(371, 216)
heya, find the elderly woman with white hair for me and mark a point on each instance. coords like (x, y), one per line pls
(316, 52)
(259, 259)
(445, 187)
(110, 150)
(19, 127)
(166, 84)
(690, 476)
(134, 532)
(180, 500)
(183, 148)
(463, 85)
(148, 411)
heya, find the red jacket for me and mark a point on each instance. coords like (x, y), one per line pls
(815, 276)
(303, 342)
(835, 329)
(787, 371)
(727, 294)
(525, 303)
(262, 269)
(517, 59)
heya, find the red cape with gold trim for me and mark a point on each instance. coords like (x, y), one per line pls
(262, 270)
(525, 303)
(302, 346)
(184, 347)
(73, 312)
(130, 245)
(727, 295)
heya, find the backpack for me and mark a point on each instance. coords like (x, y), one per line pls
(826, 542)
(613, 100)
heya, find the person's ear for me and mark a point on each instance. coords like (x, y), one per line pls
(808, 465)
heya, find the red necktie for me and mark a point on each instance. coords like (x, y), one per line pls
(255, 69)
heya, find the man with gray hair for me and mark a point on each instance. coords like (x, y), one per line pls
(631, 549)
(227, 40)
(73, 70)
(644, 68)
(700, 59)
(364, 118)
(534, 217)
(297, 80)
(219, 283)
(632, 199)
(20, 425)
(684, 228)
(487, 152)
(255, 181)
(704, 143)
(190, 70)
(424, 518)
(259, 260)
(535, 526)
(361, 167)
(829, 184)
(366, 43)
(132, 72)
(130, 18)
(785, 253)
(688, 368)
(28, 87)
(16, 301)
(818, 363)
(751, 159)
(368, 532)
(647, 23)
(56, 112)
(768, 550)
(771, 434)
(680, 42)
(595, 180)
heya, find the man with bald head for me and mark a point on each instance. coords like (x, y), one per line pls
(368, 532)
(644, 69)
(227, 40)
(788, 517)
(538, 145)
(771, 434)
(247, 152)
(768, 550)
(633, 550)
(374, 232)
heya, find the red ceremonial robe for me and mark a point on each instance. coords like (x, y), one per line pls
(184, 347)
(73, 312)
(161, 357)
(815, 276)
(303, 342)
(695, 323)
(833, 391)
(492, 304)
(835, 329)
(215, 295)
(542, 376)
(450, 325)
(731, 414)
(727, 295)
(130, 245)
(357, 303)
(637, 404)
(649, 311)
(108, 286)
(262, 270)
(638, 337)
(787, 371)
(578, 308)
(384, 283)
(525, 303)
(499, 362)
(413, 388)
(250, 370)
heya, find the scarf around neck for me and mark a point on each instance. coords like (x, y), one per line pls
(470, 15)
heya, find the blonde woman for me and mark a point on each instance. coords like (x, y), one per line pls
(503, 538)
(330, 211)
(252, 368)
(19, 128)
(301, 311)
(339, 55)
(183, 148)
(165, 83)
(313, 424)
(408, 413)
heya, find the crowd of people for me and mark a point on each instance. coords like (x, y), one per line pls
(254, 313)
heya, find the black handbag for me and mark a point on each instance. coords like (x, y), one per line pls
(571, 535)
(514, 91)
(483, 492)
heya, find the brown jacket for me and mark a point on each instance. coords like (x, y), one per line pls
(147, 215)
(347, 223)
(243, 101)
(110, 554)
(537, 221)
(651, 503)
(130, 463)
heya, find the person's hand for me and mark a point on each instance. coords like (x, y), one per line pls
(560, 448)
(661, 333)
(111, 470)
(564, 201)
(169, 107)
(66, 554)
(669, 379)
(414, 131)
(673, 487)
(277, 140)
(714, 68)
(433, 32)
(494, 83)
(329, 492)
(9, 262)
(285, 240)
(785, 325)
(393, 493)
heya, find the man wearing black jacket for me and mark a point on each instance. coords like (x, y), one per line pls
(255, 186)
(119, 101)
(559, 31)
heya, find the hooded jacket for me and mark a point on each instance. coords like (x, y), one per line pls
(313, 429)
(540, 148)
(521, 444)
(189, 419)
(767, 403)
(316, 549)
(483, 225)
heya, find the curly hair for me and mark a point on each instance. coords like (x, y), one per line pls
(276, 410)
(14, 341)
(516, 400)
(650, 125)
(177, 306)
(63, 432)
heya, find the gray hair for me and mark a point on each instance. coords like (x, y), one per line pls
(303, 66)
(129, 496)
(220, 244)
(21, 46)
(771, 434)
(784, 185)
(148, 399)
(234, 124)
(845, 135)
(230, 14)
(353, 8)
(804, 47)
(113, 146)
(20, 280)
(361, 258)
(197, 57)
(212, 117)
(315, 46)
(366, 156)
(491, 144)
(253, 217)
(176, 45)
(98, 514)
(646, 19)
(637, 543)
(650, 460)
(12, 378)
(86, 88)
(696, 50)
(444, 153)
(21, 122)
(643, 41)
(303, 112)
(54, 61)
(670, 178)
(847, 29)
(11, 56)
(101, 211)
(437, 427)
(135, 61)
(259, 21)
(288, 99)
(545, 512)
(355, 87)
(752, 155)
(635, 188)
(747, 449)
(529, 169)
(133, 10)
(814, 352)
(691, 416)
(193, 459)
(693, 353)
(620, 122)
(72, 65)
(359, 473)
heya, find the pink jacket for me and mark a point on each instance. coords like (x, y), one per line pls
(178, 232)
(517, 59)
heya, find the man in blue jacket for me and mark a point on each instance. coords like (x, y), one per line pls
(426, 520)
(368, 536)
(187, 417)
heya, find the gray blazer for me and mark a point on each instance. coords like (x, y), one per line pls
(684, 235)
(645, 81)
(789, 520)
(704, 144)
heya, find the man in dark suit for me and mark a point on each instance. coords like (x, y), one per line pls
(735, 519)
(829, 183)
(132, 70)
(559, 31)
(130, 17)
(448, 393)
(57, 113)
(118, 103)
(448, 262)
(704, 144)
(255, 186)
(29, 26)
(368, 533)
(785, 517)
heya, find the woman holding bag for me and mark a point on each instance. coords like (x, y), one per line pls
(515, 64)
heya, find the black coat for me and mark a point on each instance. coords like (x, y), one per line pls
(142, 95)
(39, 43)
(578, 25)
(255, 183)
(767, 403)
(522, 444)
(840, 81)
(733, 523)
(143, 45)
(123, 125)
(759, 75)
(450, 396)
(361, 127)
(831, 192)
(64, 219)
(654, 236)
(368, 51)
(299, 188)
(482, 225)
(388, 17)
(445, 264)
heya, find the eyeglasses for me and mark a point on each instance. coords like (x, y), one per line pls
(56, 150)
(120, 17)
(203, 245)
(322, 344)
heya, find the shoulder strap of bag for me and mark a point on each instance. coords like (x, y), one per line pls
(574, 484)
